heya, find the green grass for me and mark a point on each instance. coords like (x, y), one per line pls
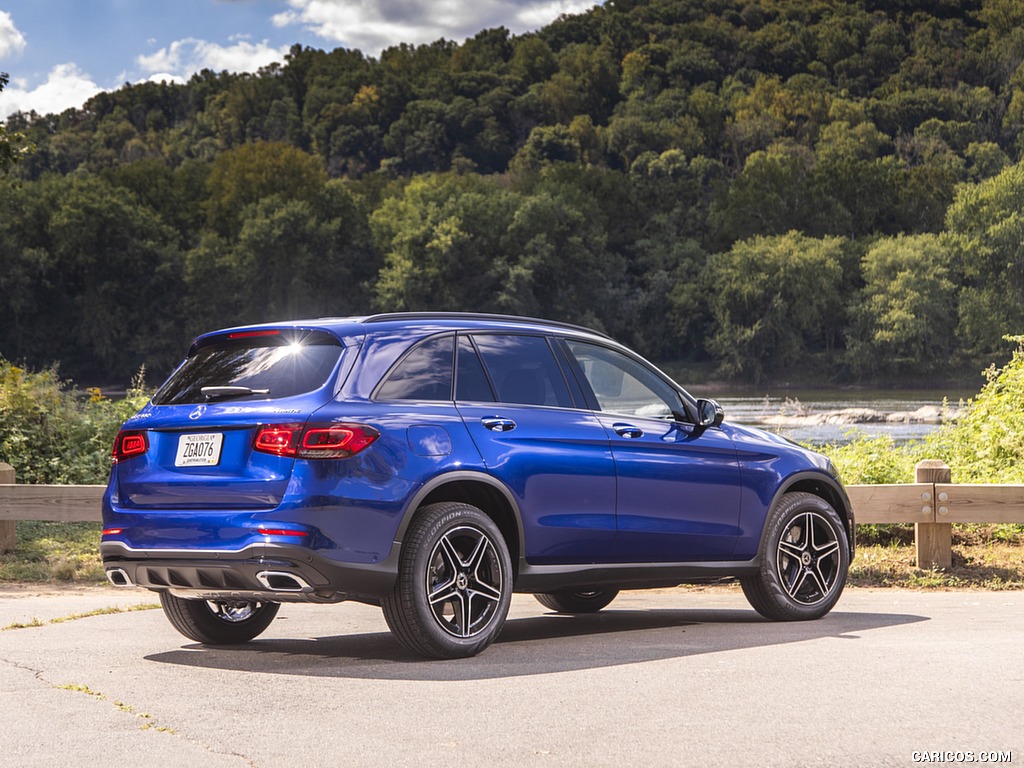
(54, 552)
(992, 566)
(76, 616)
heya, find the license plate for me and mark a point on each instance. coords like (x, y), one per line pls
(199, 450)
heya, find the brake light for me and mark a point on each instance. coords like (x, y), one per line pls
(129, 443)
(251, 334)
(317, 441)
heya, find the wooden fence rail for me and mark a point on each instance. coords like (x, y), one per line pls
(932, 504)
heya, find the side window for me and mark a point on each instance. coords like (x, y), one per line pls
(425, 373)
(623, 385)
(523, 370)
(470, 380)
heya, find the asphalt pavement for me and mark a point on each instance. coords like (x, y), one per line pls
(664, 678)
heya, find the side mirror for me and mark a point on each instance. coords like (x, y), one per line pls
(709, 413)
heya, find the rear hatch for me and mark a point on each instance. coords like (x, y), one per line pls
(216, 433)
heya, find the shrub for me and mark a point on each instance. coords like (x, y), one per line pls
(51, 432)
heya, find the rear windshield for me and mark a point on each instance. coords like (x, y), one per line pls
(272, 368)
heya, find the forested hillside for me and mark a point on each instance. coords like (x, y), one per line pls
(776, 188)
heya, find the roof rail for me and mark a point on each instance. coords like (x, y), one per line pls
(389, 316)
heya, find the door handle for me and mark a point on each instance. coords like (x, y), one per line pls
(498, 424)
(627, 430)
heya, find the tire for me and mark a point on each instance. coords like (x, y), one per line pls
(454, 583)
(218, 622)
(581, 601)
(804, 561)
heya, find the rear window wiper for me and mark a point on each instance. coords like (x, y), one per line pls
(221, 393)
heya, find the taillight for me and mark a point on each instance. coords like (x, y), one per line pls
(316, 441)
(336, 441)
(279, 439)
(129, 443)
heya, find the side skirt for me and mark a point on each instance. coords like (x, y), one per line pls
(554, 578)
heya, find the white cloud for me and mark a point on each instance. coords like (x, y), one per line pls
(65, 87)
(184, 58)
(167, 77)
(12, 42)
(372, 25)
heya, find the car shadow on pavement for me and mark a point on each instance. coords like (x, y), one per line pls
(535, 645)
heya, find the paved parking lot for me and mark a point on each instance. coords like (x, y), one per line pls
(665, 678)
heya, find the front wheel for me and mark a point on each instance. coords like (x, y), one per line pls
(454, 583)
(581, 601)
(804, 561)
(218, 622)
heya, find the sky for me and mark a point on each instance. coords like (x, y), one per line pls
(59, 53)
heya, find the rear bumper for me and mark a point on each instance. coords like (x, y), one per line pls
(242, 574)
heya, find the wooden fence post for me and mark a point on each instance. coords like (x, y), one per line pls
(933, 541)
(8, 528)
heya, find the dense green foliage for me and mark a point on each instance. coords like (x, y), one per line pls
(8, 143)
(984, 445)
(53, 433)
(832, 187)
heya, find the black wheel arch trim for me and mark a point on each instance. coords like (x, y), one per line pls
(844, 509)
(460, 476)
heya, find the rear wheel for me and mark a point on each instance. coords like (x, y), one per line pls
(580, 601)
(804, 561)
(454, 583)
(218, 622)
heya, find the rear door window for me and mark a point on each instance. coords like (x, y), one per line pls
(471, 383)
(523, 370)
(272, 367)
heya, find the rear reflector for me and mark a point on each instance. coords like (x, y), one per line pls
(316, 441)
(112, 531)
(281, 532)
(129, 443)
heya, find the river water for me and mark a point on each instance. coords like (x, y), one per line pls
(799, 415)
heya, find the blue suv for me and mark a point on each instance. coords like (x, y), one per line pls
(435, 463)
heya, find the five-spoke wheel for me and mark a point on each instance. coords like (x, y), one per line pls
(464, 583)
(454, 583)
(804, 560)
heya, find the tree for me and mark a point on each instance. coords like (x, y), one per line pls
(251, 172)
(292, 259)
(776, 193)
(986, 225)
(905, 317)
(441, 240)
(775, 302)
(94, 280)
(8, 141)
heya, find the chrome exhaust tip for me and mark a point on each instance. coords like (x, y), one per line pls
(119, 578)
(280, 581)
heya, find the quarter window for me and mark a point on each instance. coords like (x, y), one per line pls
(425, 373)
